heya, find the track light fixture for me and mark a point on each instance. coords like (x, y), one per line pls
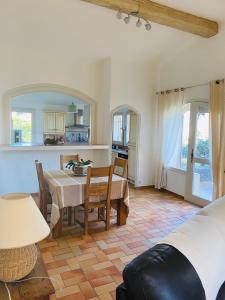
(148, 26)
(127, 19)
(139, 22)
(119, 15)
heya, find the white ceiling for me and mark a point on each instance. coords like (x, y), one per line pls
(79, 30)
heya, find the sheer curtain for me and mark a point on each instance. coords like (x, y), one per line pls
(168, 128)
(217, 122)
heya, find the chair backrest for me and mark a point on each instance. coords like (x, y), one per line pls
(100, 188)
(64, 159)
(43, 192)
(40, 175)
(120, 167)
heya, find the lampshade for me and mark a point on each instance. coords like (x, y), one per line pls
(21, 222)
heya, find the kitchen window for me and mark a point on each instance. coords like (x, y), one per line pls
(22, 127)
(118, 129)
(121, 128)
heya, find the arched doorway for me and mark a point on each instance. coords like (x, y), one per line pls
(55, 89)
(125, 137)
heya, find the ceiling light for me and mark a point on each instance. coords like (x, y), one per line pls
(119, 15)
(127, 19)
(139, 23)
(135, 14)
(148, 26)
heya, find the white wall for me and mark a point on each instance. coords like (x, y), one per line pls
(17, 168)
(199, 62)
(132, 85)
(109, 83)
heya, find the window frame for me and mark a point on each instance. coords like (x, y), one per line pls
(115, 141)
(124, 115)
(33, 119)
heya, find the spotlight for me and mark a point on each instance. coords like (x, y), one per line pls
(127, 19)
(148, 26)
(139, 23)
(119, 15)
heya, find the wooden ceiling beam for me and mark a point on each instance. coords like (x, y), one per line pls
(163, 15)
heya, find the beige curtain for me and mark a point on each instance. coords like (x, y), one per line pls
(167, 130)
(217, 120)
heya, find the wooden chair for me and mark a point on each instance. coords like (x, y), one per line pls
(44, 195)
(98, 191)
(64, 159)
(121, 167)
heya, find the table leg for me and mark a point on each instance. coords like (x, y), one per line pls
(57, 230)
(122, 212)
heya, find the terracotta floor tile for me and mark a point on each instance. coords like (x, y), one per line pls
(118, 279)
(48, 257)
(83, 266)
(67, 291)
(88, 262)
(57, 282)
(77, 296)
(111, 250)
(102, 265)
(58, 270)
(106, 288)
(56, 264)
(77, 274)
(106, 296)
(116, 255)
(73, 263)
(87, 290)
(102, 280)
(85, 256)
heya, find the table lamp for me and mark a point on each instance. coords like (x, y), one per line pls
(21, 226)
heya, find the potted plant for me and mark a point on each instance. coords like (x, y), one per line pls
(79, 167)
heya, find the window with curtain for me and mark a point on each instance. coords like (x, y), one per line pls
(168, 132)
(179, 159)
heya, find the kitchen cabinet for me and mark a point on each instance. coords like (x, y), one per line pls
(60, 121)
(133, 129)
(54, 122)
(131, 163)
(132, 147)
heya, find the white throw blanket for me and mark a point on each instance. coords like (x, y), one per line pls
(202, 241)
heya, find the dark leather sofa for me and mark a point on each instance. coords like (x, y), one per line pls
(162, 273)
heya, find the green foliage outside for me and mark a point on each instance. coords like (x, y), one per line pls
(202, 151)
(22, 122)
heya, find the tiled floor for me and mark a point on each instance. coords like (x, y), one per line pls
(91, 268)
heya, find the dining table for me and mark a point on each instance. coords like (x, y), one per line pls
(68, 190)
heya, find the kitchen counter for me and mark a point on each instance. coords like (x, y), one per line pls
(120, 151)
(52, 147)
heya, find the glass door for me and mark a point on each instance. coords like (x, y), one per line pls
(199, 184)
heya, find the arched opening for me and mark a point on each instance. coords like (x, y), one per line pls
(125, 138)
(35, 107)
